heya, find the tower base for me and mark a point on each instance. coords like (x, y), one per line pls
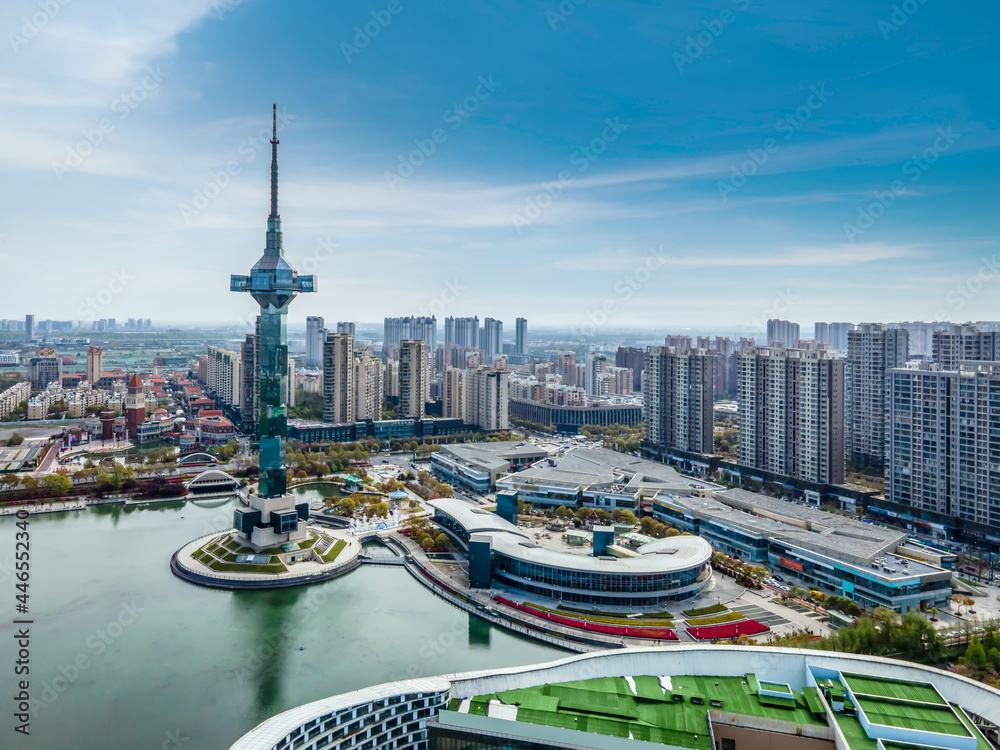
(271, 521)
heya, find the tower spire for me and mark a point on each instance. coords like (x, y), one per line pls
(274, 162)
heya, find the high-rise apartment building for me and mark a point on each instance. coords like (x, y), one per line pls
(491, 338)
(834, 334)
(95, 364)
(424, 329)
(791, 413)
(597, 365)
(29, 328)
(566, 368)
(964, 343)
(521, 336)
(678, 341)
(315, 337)
(782, 333)
(872, 350)
(249, 384)
(678, 393)
(412, 378)
(943, 443)
(223, 375)
(462, 332)
(453, 393)
(487, 399)
(345, 326)
(44, 368)
(397, 330)
(338, 378)
(633, 358)
(368, 386)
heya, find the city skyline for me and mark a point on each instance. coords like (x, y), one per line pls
(669, 222)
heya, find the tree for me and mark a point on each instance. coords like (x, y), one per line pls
(975, 654)
(441, 540)
(15, 439)
(562, 513)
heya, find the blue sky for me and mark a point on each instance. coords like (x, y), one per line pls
(594, 163)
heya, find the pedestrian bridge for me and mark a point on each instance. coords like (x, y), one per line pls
(212, 480)
(193, 459)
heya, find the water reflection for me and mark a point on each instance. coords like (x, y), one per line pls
(273, 622)
(479, 632)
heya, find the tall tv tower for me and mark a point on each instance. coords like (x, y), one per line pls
(273, 283)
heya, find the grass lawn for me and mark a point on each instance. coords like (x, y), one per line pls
(334, 551)
(702, 611)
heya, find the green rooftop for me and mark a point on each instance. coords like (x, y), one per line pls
(940, 719)
(900, 704)
(905, 690)
(677, 715)
(674, 710)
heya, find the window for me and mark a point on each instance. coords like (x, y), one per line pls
(727, 744)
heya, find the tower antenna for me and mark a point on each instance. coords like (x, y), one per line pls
(274, 160)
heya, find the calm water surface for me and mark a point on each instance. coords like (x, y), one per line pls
(125, 655)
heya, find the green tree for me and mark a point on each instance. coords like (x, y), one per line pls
(975, 654)
(562, 513)
(441, 540)
(57, 484)
(15, 439)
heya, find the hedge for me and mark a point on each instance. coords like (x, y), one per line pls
(713, 610)
(715, 620)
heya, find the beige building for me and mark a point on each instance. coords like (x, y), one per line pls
(338, 378)
(368, 386)
(11, 398)
(95, 364)
(453, 389)
(223, 375)
(413, 380)
(487, 399)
